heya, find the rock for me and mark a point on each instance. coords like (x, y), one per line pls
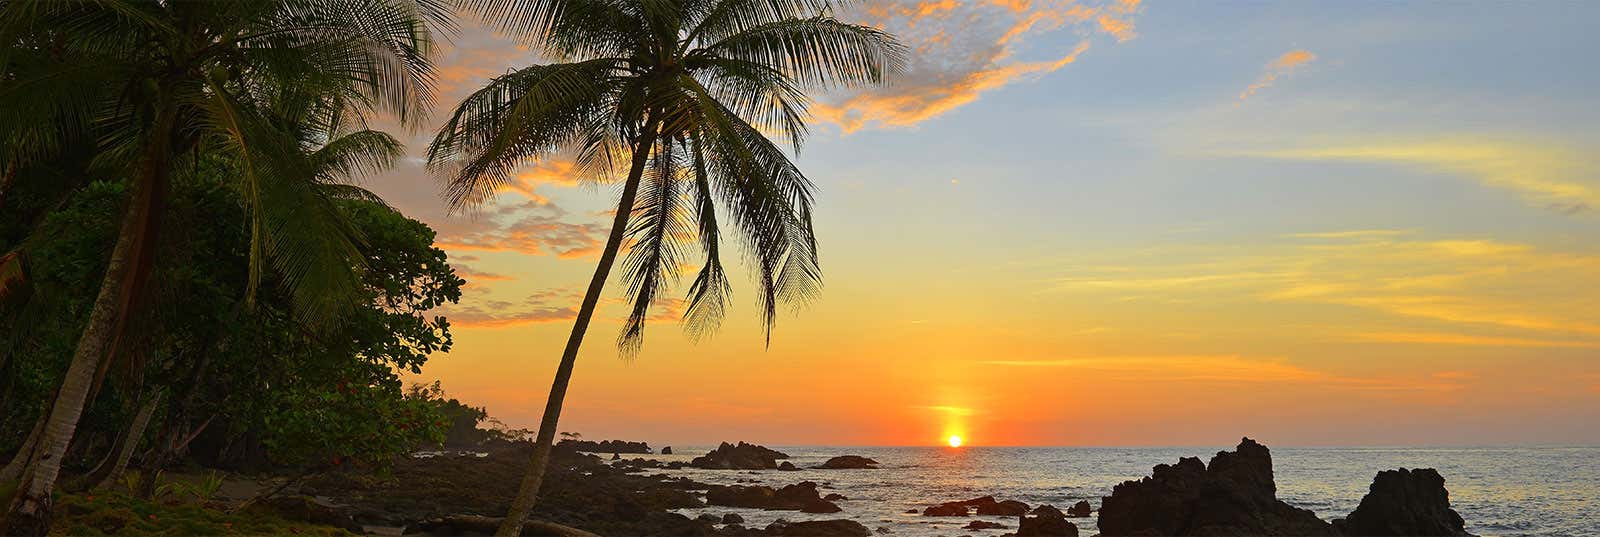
(708, 518)
(788, 467)
(985, 506)
(834, 497)
(849, 462)
(983, 525)
(883, 530)
(819, 528)
(1404, 502)
(1235, 495)
(757, 497)
(1005, 508)
(912, 511)
(616, 456)
(801, 497)
(1079, 510)
(666, 450)
(739, 457)
(605, 446)
(1046, 521)
(946, 509)
(732, 518)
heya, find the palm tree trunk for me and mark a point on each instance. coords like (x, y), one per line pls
(13, 469)
(29, 513)
(528, 493)
(123, 451)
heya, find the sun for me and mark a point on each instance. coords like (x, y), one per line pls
(955, 441)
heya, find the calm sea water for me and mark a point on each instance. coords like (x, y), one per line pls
(1499, 491)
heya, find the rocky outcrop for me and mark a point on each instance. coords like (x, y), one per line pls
(732, 518)
(666, 450)
(1233, 495)
(985, 506)
(801, 497)
(1404, 502)
(1046, 521)
(605, 446)
(818, 528)
(1079, 510)
(983, 525)
(739, 457)
(849, 462)
(788, 467)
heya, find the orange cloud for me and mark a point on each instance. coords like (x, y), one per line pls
(964, 49)
(539, 307)
(1230, 369)
(1283, 66)
(535, 227)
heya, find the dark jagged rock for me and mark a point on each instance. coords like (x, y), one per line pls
(834, 497)
(666, 450)
(732, 518)
(739, 457)
(1235, 495)
(1079, 510)
(616, 456)
(946, 509)
(801, 497)
(788, 467)
(756, 497)
(708, 518)
(1046, 521)
(984, 505)
(1004, 508)
(1404, 502)
(818, 528)
(983, 525)
(605, 446)
(849, 462)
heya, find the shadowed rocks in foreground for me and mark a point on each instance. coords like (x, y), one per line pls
(1235, 495)
(739, 457)
(801, 497)
(1404, 502)
(849, 462)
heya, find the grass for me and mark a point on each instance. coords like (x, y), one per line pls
(116, 513)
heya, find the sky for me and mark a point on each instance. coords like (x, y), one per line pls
(1109, 223)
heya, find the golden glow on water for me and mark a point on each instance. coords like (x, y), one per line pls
(955, 441)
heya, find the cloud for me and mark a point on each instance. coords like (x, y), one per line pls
(546, 306)
(963, 49)
(949, 410)
(1435, 338)
(1225, 369)
(1546, 176)
(1507, 294)
(533, 227)
(1285, 65)
(475, 277)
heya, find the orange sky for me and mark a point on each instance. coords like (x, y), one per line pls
(1111, 224)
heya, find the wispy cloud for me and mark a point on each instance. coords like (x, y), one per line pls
(533, 227)
(1485, 287)
(965, 49)
(1285, 65)
(546, 306)
(1224, 369)
(1545, 175)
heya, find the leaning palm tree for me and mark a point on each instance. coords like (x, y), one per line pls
(154, 83)
(681, 95)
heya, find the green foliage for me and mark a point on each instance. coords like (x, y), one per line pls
(120, 514)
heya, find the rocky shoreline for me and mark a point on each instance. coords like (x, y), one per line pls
(1233, 494)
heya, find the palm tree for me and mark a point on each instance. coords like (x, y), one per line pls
(683, 91)
(153, 83)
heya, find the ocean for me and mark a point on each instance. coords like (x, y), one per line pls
(1500, 491)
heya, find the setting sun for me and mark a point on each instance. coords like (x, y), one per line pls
(955, 441)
